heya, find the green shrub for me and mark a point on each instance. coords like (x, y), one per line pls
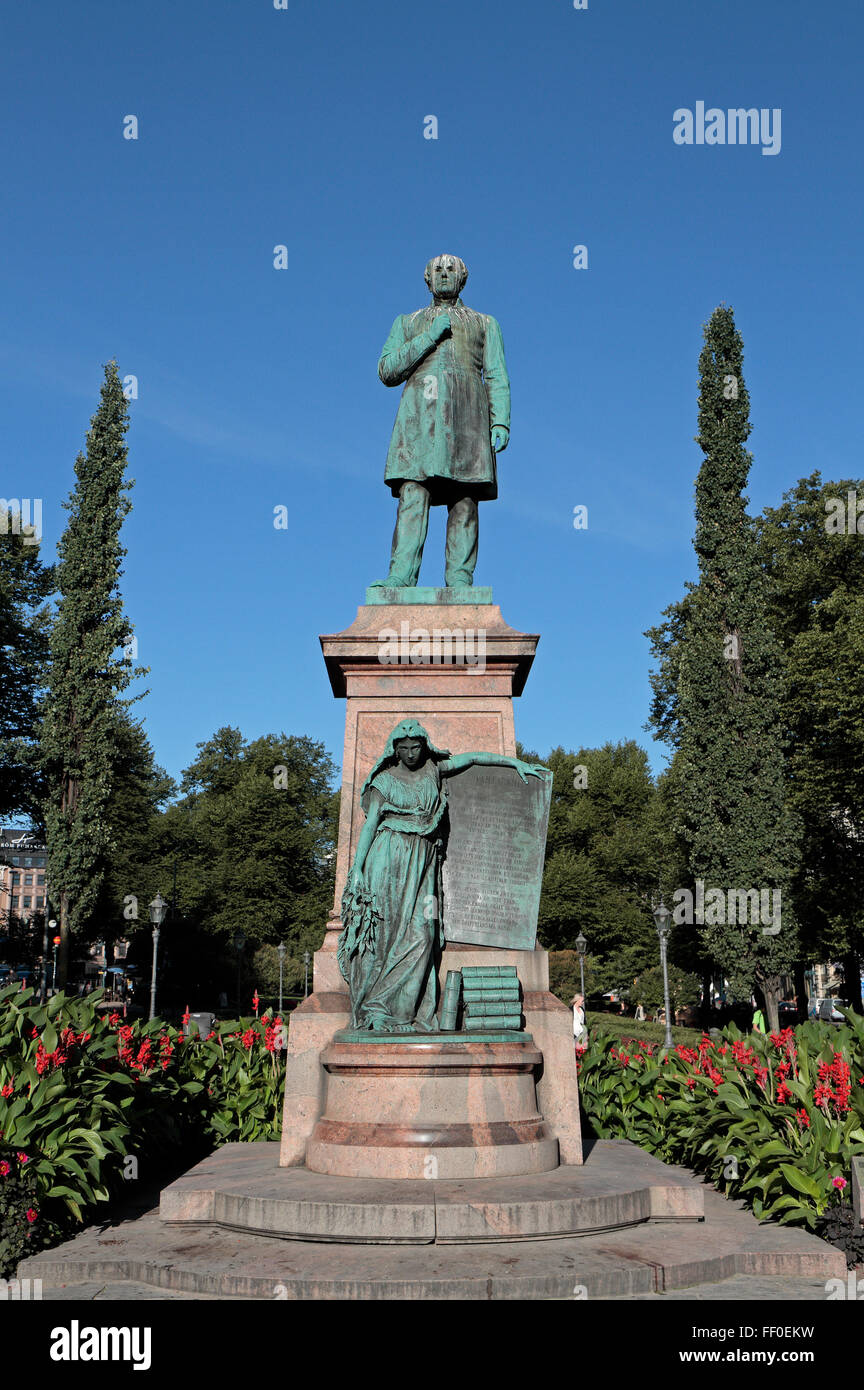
(775, 1120)
(86, 1099)
(619, 1026)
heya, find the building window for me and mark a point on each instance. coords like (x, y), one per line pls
(40, 879)
(14, 903)
(16, 859)
(28, 863)
(28, 878)
(27, 902)
(40, 902)
(16, 878)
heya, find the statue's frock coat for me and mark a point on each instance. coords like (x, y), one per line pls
(455, 392)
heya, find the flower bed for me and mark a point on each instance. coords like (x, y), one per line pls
(88, 1102)
(772, 1119)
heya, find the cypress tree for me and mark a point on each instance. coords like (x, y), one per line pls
(727, 711)
(87, 672)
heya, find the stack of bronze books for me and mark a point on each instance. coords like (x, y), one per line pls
(491, 999)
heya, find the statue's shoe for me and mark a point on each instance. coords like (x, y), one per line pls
(390, 583)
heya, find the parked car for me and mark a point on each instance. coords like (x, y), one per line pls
(829, 1010)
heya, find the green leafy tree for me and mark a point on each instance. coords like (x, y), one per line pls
(647, 990)
(140, 789)
(252, 838)
(25, 586)
(87, 672)
(604, 850)
(719, 692)
(815, 572)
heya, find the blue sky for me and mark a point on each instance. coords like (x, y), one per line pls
(258, 387)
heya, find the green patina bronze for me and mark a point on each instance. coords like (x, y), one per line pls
(360, 1035)
(478, 593)
(392, 935)
(454, 416)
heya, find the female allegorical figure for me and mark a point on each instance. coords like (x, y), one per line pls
(391, 926)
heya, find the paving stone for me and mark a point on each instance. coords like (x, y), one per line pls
(726, 1255)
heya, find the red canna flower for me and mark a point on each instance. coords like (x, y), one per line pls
(8, 1089)
(255, 1002)
(802, 1117)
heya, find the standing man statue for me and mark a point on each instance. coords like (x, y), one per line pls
(454, 416)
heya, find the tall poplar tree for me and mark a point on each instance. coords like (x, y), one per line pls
(719, 695)
(88, 671)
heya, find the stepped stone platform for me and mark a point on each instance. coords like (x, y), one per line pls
(242, 1187)
(621, 1226)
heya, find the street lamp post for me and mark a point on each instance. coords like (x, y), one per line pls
(663, 922)
(50, 929)
(581, 947)
(280, 951)
(306, 960)
(158, 908)
(56, 943)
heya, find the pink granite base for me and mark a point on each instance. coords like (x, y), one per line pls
(463, 708)
(319, 1018)
(431, 1110)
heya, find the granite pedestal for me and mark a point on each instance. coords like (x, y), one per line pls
(431, 1109)
(465, 707)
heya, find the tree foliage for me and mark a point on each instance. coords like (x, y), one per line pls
(604, 851)
(719, 693)
(25, 586)
(816, 594)
(87, 671)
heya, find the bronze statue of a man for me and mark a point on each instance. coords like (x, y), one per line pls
(454, 416)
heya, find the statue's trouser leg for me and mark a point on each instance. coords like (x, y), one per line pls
(461, 550)
(409, 535)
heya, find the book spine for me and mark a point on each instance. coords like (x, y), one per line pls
(494, 1023)
(480, 1008)
(492, 972)
(510, 994)
(450, 1001)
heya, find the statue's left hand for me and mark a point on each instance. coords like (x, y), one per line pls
(527, 770)
(500, 438)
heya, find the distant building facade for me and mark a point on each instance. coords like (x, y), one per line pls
(23, 860)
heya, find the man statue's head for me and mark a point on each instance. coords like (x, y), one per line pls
(446, 276)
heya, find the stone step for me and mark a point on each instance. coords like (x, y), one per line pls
(740, 1288)
(242, 1187)
(657, 1257)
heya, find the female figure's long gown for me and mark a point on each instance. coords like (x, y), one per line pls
(395, 984)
